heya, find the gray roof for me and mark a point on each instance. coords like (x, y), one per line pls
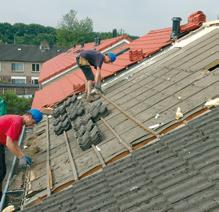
(178, 173)
(26, 53)
(151, 93)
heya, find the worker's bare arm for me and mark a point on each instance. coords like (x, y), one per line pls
(14, 148)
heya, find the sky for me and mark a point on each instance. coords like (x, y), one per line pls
(135, 17)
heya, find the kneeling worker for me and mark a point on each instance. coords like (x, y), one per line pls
(88, 58)
(10, 130)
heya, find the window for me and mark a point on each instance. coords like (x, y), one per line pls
(34, 80)
(17, 67)
(18, 80)
(35, 67)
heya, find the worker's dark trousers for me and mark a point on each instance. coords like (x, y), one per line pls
(86, 69)
(2, 167)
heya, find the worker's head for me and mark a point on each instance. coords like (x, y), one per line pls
(109, 57)
(33, 116)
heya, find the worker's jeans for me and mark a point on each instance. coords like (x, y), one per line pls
(2, 167)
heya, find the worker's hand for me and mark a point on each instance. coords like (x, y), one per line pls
(26, 161)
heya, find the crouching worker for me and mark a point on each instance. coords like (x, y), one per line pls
(88, 58)
(10, 130)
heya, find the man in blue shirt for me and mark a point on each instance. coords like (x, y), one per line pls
(88, 58)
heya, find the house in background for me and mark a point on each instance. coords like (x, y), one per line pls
(20, 66)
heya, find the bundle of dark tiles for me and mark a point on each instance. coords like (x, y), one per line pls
(61, 121)
(73, 114)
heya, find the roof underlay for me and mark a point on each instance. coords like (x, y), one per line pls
(151, 94)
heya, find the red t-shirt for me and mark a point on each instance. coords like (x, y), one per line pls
(10, 125)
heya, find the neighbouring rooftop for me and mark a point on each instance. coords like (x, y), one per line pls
(27, 53)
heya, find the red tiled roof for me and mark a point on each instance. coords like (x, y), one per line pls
(67, 60)
(74, 82)
(59, 90)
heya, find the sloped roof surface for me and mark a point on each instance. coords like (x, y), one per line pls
(27, 53)
(176, 78)
(149, 44)
(68, 59)
(177, 173)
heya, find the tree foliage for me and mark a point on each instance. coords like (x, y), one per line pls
(20, 33)
(15, 104)
(73, 31)
(70, 31)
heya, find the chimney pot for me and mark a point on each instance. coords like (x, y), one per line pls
(175, 27)
(97, 41)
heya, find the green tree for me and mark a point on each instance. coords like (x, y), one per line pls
(20, 29)
(15, 104)
(73, 31)
(7, 32)
(70, 31)
(31, 34)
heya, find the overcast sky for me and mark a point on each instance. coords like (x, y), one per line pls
(136, 17)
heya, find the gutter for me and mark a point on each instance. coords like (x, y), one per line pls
(21, 138)
(9, 85)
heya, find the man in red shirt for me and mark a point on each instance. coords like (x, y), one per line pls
(10, 130)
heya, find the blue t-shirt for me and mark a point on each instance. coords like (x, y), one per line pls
(95, 58)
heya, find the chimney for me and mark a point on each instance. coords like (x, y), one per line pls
(176, 28)
(82, 44)
(115, 34)
(44, 45)
(97, 41)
